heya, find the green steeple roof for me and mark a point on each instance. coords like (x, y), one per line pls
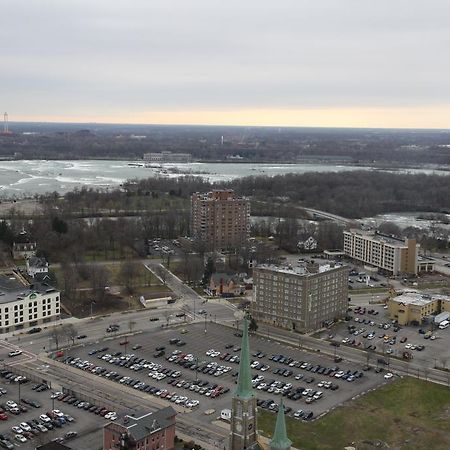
(280, 441)
(244, 385)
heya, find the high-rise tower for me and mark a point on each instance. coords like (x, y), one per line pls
(243, 411)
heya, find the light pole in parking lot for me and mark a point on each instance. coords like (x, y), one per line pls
(205, 321)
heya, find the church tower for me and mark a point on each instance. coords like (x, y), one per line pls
(280, 441)
(243, 410)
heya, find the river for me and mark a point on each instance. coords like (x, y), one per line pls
(25, 178)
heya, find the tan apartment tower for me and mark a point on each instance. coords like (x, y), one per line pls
(220, 220)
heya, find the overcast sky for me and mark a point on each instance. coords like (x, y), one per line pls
(281, 62)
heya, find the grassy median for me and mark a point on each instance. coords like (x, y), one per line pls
(408, 414)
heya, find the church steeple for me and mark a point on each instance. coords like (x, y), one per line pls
(243, 433)
(280, 441)
(244, 384)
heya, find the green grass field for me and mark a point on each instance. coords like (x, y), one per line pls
(408, 414)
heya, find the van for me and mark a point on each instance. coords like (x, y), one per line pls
(444, 324)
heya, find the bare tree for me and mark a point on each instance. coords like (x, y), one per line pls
(129, 271)
(99, 281)
(56, 334)
(70, 332)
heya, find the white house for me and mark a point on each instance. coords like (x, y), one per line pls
(36, 265)
(308, 244)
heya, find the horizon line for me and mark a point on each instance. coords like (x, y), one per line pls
(206, 125)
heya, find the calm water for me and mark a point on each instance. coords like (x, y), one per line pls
(26, 178)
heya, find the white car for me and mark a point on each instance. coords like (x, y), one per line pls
(110, 414)
(45, 418)
(388, 376)
(58, 413)
(408, 346)
(15, 353)
(55, 394)
(17, 430)
(25, 426)
(20, 438)
(11, 404)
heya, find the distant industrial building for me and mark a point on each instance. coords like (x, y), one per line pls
(389, 254)
(302, 298)
(220, 220)
(24, 306)
(151, 431)
(414, 307)
(168, 157)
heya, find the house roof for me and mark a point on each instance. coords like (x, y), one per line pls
(52, 445)
(35, 261)
(147, 424)
(224, 277)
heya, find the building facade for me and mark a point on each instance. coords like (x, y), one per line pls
(26, 306)
(391, 255)
(23, 250)
(168, 157)
(300, 298)
(220, 220)
(413, 307)
(151, 431)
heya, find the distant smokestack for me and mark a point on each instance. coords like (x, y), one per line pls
(5, 123)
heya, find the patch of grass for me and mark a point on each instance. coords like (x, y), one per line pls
(409, 414)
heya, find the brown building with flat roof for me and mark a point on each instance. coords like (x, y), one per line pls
(150, 431)
(220, 220)
(299, 298)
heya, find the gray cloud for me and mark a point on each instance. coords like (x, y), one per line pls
(59, 57)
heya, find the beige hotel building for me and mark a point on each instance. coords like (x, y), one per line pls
(392, 255)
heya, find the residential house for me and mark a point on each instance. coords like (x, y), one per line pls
(225, 285)
(36, 265)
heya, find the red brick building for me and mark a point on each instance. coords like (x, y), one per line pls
(220, 220)
(151, 431)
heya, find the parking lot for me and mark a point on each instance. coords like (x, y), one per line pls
(370, 328)
(200, 374)
(31, 416)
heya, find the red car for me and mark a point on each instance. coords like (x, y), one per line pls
(3, 416)
(124, 342)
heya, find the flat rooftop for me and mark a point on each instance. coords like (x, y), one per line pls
(300, 270)
(418, 299)
(392, 240)
(11, 289)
